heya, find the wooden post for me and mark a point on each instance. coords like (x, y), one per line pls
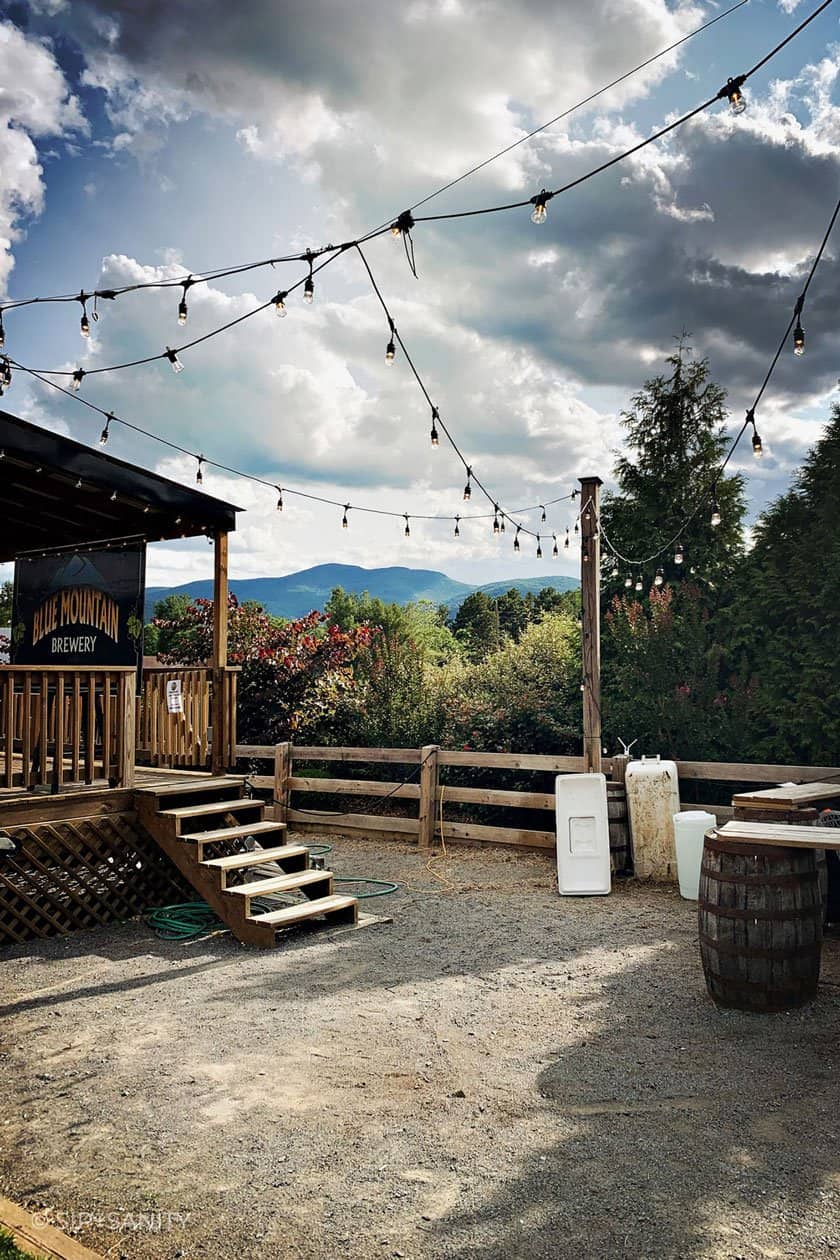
(283, 756)
(128, 732)
(219, 659)
(428, 795)
(590, 602)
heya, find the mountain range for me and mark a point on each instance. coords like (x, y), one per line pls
(298, 593)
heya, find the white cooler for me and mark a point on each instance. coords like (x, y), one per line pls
(690, 827)
(583, 835)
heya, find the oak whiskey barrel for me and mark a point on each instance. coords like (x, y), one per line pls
(760, 919)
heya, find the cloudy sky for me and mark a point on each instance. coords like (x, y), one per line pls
(149, 140)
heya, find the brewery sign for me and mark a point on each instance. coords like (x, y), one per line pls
(80, 607)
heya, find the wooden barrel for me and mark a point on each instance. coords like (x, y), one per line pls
(760, 918)
(621, 860)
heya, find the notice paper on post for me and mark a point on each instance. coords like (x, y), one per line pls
(174, 696)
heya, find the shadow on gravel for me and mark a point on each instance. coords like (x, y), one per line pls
(682, 1131)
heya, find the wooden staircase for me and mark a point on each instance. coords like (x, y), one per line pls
(233, 855)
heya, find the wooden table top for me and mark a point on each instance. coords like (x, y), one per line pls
(789, 796)
(785, 834)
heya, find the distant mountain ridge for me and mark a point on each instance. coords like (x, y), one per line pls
(298, 593)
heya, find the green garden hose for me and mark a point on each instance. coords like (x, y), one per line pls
(182, 921)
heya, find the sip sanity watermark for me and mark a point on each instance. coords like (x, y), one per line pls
(122, 1222)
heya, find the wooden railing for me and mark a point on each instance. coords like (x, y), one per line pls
(183, 740)
(60, 726)
(422, 767)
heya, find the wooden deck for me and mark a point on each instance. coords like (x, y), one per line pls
(144, 776)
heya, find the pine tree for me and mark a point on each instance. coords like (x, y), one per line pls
(677, 441)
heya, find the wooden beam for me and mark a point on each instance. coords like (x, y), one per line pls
(282, 781)
(590, 602)
(428, 794)
(220, 647)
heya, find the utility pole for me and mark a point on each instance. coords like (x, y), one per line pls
(590, 606)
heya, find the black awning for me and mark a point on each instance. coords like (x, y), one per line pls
(55, 492)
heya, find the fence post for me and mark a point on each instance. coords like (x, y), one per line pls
(428, 795)
(127, 711)
(590, 601)
(282, 774)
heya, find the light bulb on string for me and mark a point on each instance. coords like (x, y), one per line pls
(344, 521)
(468, 487)
(638, 585)
(614, 571)
(502, 525)
(659, 578)
(798, 340)
(758, 449)
(434, 433)
(76, 382)
(390, 349)
(182, 311)
(543, 517)
(279, 490)
(714, 520)
(309, 285)
(106, 432)
(539, 212)
(539, 548)
(516, 546)
(732, 91)
(628, 582)
(566, 540)
(404, 223)
(407, 530)
(496, 524)
(199, 475)
(679, 554)
(175, 363)
(280, 304)
(577, 527)
(555, 550)
(457, 527)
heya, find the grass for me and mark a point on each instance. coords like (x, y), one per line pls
(9, 1250)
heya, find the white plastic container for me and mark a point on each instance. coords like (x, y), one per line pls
(653, 797)
(583, 835)
(690, 828)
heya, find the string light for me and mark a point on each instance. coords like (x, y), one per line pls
(279, 300)
(496, 524)
(798, 340)
(555, 551)
(502, 525)
(76, 382)
(344, 521)
(539, 548)
(732, 91)
(457, 530)
(279, 490)
(539, 212)
(404, 223)
(679, 554)
(309, 286)
(614, 573)
(106, 432)
(566, 540)
(84, 325)
(467, 487)
(407, 530)
(628, 582)
(182, 305)
(543, 518)
(638, 584)
(758, 449)
(177, 365)
(516, 546)
(659, 578)
(434, 433)
(199, 476)
(714, 520)
(577, 527)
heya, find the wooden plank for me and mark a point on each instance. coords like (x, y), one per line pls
(491, 796)
(40, 1239)
(90, 742)
(44, 727)
(338, 905)
(125, 774)
(9, 715)
(403, 756)
(347, 787)
(784, 834)
(590, 602)
(787, 797)
(76, 729)
(58, 759)
(750, 772)
(281, 784)
(360, 822)
(428, 794)
(516, 761)
(106, 725)
(43, 808)
(26, 735)
(62, 669)
(498, 835)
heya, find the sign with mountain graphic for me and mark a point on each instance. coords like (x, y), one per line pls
(80, 607)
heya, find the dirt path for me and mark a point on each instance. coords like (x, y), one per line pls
(498, 1073)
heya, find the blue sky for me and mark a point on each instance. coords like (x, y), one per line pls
(144, 141)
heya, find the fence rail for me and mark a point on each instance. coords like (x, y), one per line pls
(62, 725)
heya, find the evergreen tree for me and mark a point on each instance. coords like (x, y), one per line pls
(786, 618)
(6, 592)
(476, 625)
(677, 441)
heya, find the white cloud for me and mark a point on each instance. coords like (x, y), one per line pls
(34, 102)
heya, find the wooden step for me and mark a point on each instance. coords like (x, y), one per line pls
(342, 909)
(289, 857)
(198, 783)
(319, 882)
(243, 811)
(259, 830)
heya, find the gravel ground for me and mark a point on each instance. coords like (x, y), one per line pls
(498, 1072)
